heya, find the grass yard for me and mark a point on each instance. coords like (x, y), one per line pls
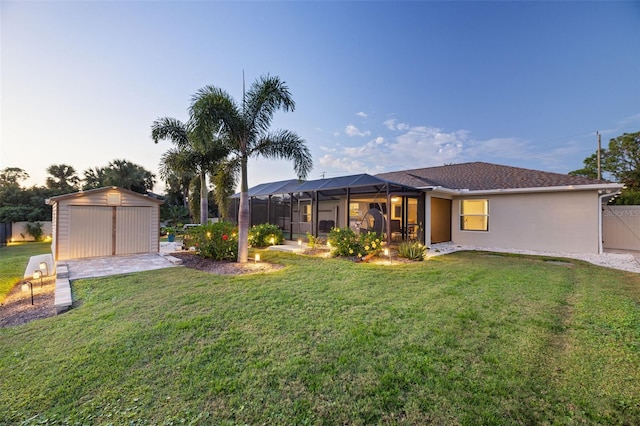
(467, 338)
(13, 261)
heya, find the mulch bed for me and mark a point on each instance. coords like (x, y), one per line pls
(17, 308)
(220, 267)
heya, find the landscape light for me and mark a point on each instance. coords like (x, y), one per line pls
(387, 253)
(256, 258)
(25, 286)
(44, 267)
(37, 274)
(299, 241)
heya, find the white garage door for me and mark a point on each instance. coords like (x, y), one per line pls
(132, 230)
(103, 231)
(90, 231)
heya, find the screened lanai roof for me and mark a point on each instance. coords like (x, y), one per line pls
(357, 184)
(272, 188)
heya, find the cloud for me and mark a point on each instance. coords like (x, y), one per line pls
(416, 147)
(361, 114)
(352, 130)
(401, 146)
(392, 124)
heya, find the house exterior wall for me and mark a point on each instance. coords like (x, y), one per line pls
(548, 221)
(139, 237)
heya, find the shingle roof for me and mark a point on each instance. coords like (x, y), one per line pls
(479, 176)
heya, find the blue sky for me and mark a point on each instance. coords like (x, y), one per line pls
(379, 86)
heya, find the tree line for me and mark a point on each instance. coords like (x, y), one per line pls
(18, 203)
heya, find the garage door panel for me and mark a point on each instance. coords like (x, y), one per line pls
(90, 231)
(132, 230)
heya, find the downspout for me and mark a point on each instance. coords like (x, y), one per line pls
(600, 232)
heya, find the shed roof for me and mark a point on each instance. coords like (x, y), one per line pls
(478, 176)
(53, 200)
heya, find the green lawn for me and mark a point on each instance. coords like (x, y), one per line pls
(13, 261)
(467, 338)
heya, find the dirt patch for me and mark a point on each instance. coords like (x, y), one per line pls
(219, 267)
(17, 308)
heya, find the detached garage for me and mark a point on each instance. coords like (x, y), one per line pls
(104, 222)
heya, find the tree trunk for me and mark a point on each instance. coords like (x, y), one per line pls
(204, 199)
(243, 215)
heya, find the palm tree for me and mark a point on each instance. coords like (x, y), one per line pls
(63, 178)
(128, 175)
(197, 149)
(94, 178)
(247, 128)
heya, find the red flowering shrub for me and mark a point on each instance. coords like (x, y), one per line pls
(218, 241)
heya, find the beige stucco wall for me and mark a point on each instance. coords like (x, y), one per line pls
(550, 221)
(19, 230)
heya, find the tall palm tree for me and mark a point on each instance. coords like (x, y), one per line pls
(176, 176)
(247, 128)
(63, 178)
(197, 149)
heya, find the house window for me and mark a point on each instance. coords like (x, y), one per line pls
(474, 215)
(306, 213)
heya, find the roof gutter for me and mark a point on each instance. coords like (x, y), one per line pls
(609, 188)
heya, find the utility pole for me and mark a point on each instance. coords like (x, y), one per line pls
(599, 161)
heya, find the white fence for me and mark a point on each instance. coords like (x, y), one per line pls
(621, 227)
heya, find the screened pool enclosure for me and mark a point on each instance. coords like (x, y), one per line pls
(362, 202)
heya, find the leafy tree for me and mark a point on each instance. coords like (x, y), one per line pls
(63, 178)
(198, 150)
(246, 128)
(12, 176)
(590, 168)
(621, 162)
(622, 159)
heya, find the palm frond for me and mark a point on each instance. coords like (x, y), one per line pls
(265, 96)
(286, 145)
(172, 129)
(213, 110)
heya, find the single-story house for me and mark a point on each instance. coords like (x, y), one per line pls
(479, 204)
(104, 222)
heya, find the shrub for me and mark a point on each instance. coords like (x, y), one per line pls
(412, 250)
(313, 241)
(345, 242)
(265, 235)
(35, 230)
(218, 241)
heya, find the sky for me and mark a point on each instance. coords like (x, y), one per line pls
(379, 86)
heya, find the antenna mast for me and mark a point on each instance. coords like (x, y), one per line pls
(599, 155)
